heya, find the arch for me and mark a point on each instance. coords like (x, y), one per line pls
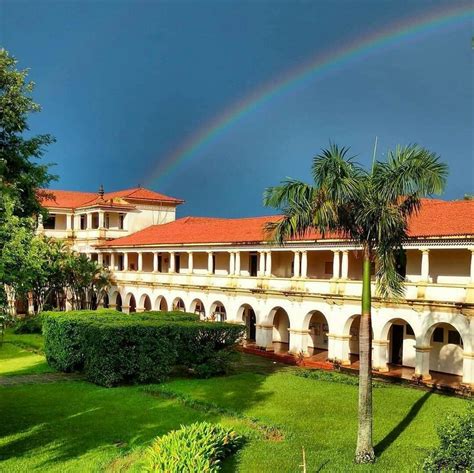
(105, 300)
(351, 328)
(145, 302)
(118, 302)
(131, 302)
(447, 348)
(401, 338)
(247, 315)
(161, 304)
(318, 327)
(218, 312)
(281, 326)
(197, 307)
(178, 304)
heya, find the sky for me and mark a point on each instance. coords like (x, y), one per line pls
(124, 85)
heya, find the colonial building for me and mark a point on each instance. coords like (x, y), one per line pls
(303, 297)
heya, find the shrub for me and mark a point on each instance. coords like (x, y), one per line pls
(113, 348)
(196, 447)
(455, 451)
(31, 324)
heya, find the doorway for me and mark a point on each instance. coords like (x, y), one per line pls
(396, 345)
(253, 264)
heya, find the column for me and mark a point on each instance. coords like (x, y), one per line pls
(472, 265)
(380, 355)
(298, 341)
(468, 369)
(210, 262)
(264, 336)
(268, 266)
(172, 267)
(237, 263)
(335, 264)
(77, 222)
(190, 263)
(425, 265)
(100, 259)
(345, 264)
(155, 261)
(140, 261)
(125, 261)
(261, 263)
(338, 348)
(231, 263)
(296, 265)
(112, 262)
(89, 221)
(69, 218)
(101, 219)
(304, 264)
(422, 363)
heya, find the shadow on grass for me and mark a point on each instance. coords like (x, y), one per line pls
(402, 425)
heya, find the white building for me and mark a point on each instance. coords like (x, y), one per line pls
(303, 297)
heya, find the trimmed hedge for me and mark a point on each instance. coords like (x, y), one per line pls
(30, 324)
(113, 348)
(197, 447)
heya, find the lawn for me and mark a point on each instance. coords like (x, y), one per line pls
(76, 426)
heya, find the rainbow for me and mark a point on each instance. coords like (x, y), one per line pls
(305, 73)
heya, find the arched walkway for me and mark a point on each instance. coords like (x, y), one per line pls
(131, 303)
(145, 302)
(281, 326)
(352, 328)
(178, 304)
(318, 335)
(161, 304)
(105, 300)
(197, 307)
(118, 302)
(447, 349)
(246, 314)
(218, 312)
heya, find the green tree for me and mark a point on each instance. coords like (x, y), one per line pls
(21, 176)
(371, 208)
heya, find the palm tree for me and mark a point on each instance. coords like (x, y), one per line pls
(371, 208)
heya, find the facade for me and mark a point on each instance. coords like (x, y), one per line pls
(303, 297)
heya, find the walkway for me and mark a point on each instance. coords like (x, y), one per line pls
(39, 378)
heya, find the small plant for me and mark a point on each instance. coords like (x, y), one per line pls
(30, 324)
(455, 451)
(197, 447)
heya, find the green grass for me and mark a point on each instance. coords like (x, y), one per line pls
(76, 426)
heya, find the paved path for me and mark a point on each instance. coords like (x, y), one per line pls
(39, 378)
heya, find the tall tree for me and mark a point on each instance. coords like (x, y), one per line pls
(21, 176)
(373, 209)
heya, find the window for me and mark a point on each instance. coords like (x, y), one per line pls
(328, 268)
(454, 337)
(83, 222)
(50, 223)
(106, 220)
(121, 221)
(438, 335)
(409, 330)
(95, 220)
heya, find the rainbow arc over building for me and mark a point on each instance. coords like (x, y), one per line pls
(307, 72)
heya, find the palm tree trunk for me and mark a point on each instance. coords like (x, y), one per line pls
(365, 450)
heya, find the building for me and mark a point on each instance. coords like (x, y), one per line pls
(303, 297)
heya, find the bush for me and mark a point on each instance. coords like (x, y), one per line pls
(455, 451)
(197, 447)
(113, 348)
(31, 324)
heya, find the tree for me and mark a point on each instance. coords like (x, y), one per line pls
(21, 176)
(372, 208)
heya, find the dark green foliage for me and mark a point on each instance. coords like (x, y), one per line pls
(455, 451)
(31, 324)
(113, 348)
(197, 447)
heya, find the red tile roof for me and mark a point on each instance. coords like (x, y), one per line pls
(74, 199)
(436, 219)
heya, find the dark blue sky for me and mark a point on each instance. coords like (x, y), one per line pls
(124, 83)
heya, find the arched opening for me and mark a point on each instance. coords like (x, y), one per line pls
(105, 300)
(145, 303)
(281, 326)
(197, 307)
(118, 302)
(178, 304)
(218, 312)
(447, 349)
(132, 304)
(161, 304)
(318, 335)
(401, 343)
(353, 329)
(247, 315)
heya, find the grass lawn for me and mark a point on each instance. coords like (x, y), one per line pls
(76, 426)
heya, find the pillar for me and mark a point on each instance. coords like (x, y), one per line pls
(89, 221)
(101, 219)
(190, 263)
(380, 355)
(172, 267)
(335, 264)
(468, 369)
(472, 266)
(261, 263)
(298, 341)
(304, 264)
(69, 218)
(231, 263)
(125, 261)
(338, 348)
(296, 264)
(345, 265)
(422, 362)
(268, 266)
(425, 265)
(155, 261)
(264, 336)
(100, 259)
(140, 261)
(210, 260)
(237, 263)
(112, 262)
